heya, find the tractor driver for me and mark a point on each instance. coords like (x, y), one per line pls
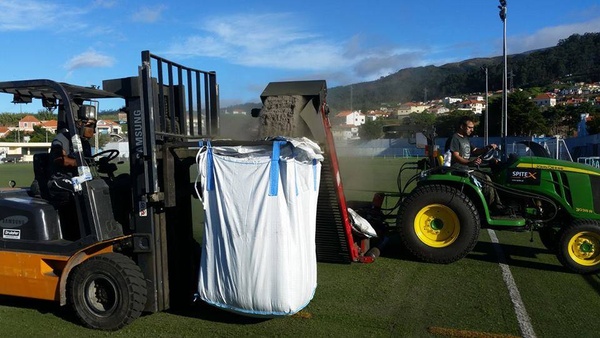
(462, 152)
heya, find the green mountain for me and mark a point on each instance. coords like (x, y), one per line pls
(574, 59)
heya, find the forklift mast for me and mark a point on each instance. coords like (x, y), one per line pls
(168, 112)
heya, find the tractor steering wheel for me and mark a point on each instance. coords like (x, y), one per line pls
(488, 155)
(489, 158)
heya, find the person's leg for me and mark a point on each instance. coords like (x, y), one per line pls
(489, 192)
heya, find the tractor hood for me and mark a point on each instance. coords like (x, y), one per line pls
(533, 162)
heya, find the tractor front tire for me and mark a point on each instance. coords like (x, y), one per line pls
(107, 292)
(438, 224)
(579, 247)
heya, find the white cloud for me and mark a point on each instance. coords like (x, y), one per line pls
(265, 40)
(26, 15)
(148, 14)
(33, 15)
(104, 3)
(89, 59)
(549, 36)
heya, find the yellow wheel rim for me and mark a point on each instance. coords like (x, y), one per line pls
(436, 225)
(584, 248)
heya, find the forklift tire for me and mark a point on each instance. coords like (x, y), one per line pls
(549, 237)
(579, 247)
(107, 292)
(438, 224)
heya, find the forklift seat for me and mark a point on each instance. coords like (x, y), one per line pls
(41, 171)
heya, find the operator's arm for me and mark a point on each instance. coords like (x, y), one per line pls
(64, 160)
(456, 158)
(58, 152)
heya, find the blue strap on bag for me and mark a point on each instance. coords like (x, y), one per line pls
(210, 176)
(274, 172)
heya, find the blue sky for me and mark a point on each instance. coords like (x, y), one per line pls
(251, 43)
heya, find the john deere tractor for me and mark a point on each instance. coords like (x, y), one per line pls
(440, 219)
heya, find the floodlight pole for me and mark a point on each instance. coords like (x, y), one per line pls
(502, 8)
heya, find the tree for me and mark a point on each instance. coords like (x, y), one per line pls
(424, 119)
(11, 136)
(593, 124)
(572, 117)
(371, 130)
(40, 134)
(45, 115)
(445, 125)
(553, 117)
(524, 117)
(10, 119)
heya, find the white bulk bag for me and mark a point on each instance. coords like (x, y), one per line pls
(258, 247)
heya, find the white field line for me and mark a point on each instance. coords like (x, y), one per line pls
(515, 296)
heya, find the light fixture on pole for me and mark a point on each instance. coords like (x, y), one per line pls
(502, 8)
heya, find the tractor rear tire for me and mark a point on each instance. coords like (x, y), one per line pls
(107, 292)
(579, 247)
(438, 224)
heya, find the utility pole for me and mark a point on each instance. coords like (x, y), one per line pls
(511, 81)
(351, 94)
(502, 8)
(486, 116)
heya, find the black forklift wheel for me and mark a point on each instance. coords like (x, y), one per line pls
(438, 224)
(107, 291)
(579, 247)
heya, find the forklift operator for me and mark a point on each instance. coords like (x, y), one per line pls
(63, 165)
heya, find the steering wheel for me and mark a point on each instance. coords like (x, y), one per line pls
(488, 155)
(106, 155)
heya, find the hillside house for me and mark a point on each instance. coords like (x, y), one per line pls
(377, 114)
(108, 127)
(50, 125)
(476, 106)
(122, 116)
(352, 118)
(545, 100)
(572, 101)
(451, 100)
(438, 110)
(28, 122)
(411, 107)
(4, 131)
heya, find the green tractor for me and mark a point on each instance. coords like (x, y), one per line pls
(439, 220)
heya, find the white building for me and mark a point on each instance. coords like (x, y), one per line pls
(352, 118)
(451, 100)
(475, 106)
